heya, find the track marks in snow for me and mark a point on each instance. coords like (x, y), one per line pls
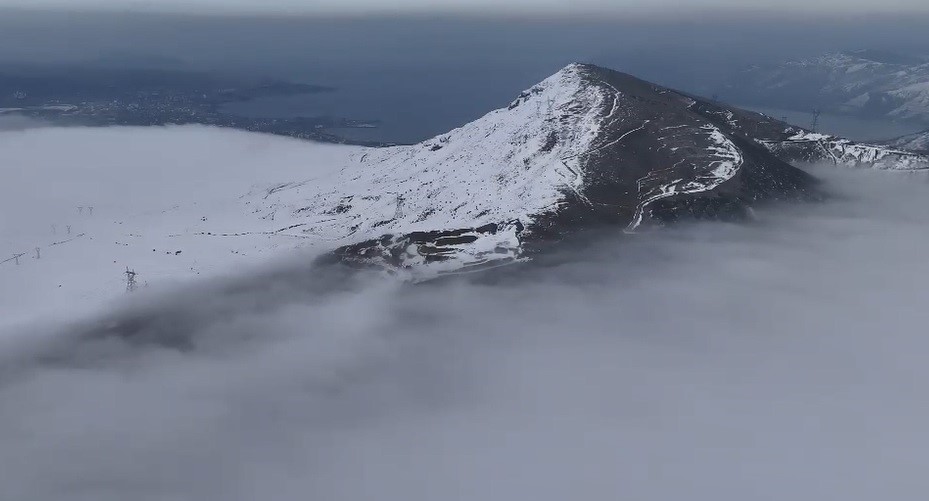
(725, 160)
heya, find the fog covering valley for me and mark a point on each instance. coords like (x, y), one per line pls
(778, 358)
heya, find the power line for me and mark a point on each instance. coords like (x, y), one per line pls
(815, 122)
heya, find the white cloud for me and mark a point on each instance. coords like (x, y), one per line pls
(778, 360)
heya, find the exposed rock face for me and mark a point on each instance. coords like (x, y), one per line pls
(432, 253)
(586, 147)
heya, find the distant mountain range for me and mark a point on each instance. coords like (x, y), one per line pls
(866, 83)
(918, 142)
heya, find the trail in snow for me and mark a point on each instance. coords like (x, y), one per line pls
(718, 171)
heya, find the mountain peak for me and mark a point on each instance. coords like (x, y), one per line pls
(567, 81)
(586, 147)
(574, 67)
(577, 68)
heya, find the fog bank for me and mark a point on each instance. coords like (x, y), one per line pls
(778, 360)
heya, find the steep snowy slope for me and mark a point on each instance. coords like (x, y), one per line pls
(509, 165)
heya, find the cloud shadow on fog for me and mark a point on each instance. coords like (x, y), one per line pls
(768, 360)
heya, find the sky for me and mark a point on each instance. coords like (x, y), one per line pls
(481, 7)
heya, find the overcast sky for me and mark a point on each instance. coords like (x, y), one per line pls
(560, 7)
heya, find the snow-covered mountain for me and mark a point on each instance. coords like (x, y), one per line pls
(586, 148)
(862, 83)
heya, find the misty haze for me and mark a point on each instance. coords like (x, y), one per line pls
(540, 251)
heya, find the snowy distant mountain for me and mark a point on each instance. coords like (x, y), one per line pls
(863, 83)
(586, 148)
(913, 142)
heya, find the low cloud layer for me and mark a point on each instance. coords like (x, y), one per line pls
(96, 201)
(778, 360)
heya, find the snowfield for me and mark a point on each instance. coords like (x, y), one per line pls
(165, 202)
